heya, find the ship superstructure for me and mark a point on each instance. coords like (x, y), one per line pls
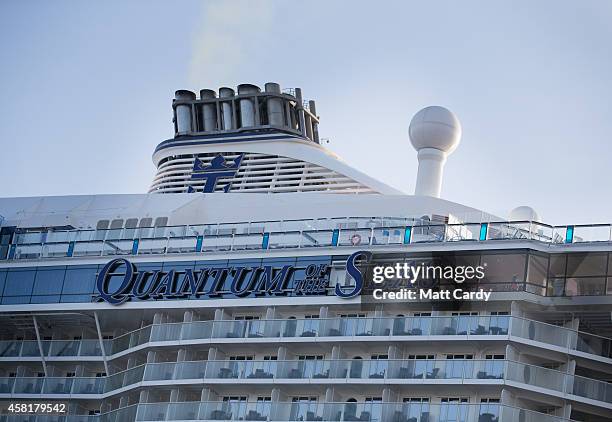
(215, 296)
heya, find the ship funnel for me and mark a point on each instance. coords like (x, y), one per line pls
(247, 106)
(226, 107)
(435, 132)
(246, 109)
(183, 111)
(275, 105)
(209, 111)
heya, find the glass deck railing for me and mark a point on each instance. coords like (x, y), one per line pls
(373, 411)
(464, 325)
(385, 371)
(384, 328)
(52, 348)
(333, 232)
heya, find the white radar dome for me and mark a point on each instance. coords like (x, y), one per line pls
(523, 213)
(435, 127)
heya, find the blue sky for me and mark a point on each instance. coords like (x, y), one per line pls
(86, 90)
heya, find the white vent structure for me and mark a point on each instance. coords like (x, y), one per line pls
(268, 166)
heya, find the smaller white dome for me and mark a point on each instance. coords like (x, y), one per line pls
(523, 213)
(435, 127)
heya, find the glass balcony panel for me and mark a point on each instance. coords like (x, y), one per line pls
(64, 348)
(63, 236)
(91, 385)
(506, 231)
(90, 347)
(113, 382)
(462, 232)
(594, 233)
(227, 369)
(57, 385)
(354, 237)
(182, 245)
(87, 235)
(30, 348)
(542, 232)
(541, 332)
(217, 243)
(31, 385)
(197, 330)
(153, 411)
(285, 240)
(93, 248)
(354, 411)
(159, 371)
(388, 236)
(489, 369)
(166, 332)
(152, 246)
(10, 348)
(133, 375)
(28, 251)
(318, 238)
(247, 242)
(305, 410)
(182, 411)
(6, 385)
(593, 344)
(30, 238)
(589, 388)
(55, 250)
(222, 329)
(585, 286)
(433, 233)
(176, 231)
(117, 247)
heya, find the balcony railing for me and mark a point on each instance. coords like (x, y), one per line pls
(335, 232)
(375, 411)
(386, 371)
(51, 348)
(380, 328)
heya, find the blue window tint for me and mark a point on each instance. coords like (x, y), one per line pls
(80, 280)
(45, 299)
(15, 300)
(19, 283)
(49, 281)
(76, 298)
(2, 278)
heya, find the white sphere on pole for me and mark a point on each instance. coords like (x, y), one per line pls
(434, 132)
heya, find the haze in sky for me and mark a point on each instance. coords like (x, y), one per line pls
(86, 90)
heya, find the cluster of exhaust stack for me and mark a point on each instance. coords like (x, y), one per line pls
(248, 109)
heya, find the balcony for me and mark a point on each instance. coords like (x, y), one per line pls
(302, 234)
(51, 348)
(382, 329)
(432, 328)
(355, 371)
(311, 411)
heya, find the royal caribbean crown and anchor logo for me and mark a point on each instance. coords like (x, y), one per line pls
(218, 168)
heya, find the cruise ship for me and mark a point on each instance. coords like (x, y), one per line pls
(240, 288)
